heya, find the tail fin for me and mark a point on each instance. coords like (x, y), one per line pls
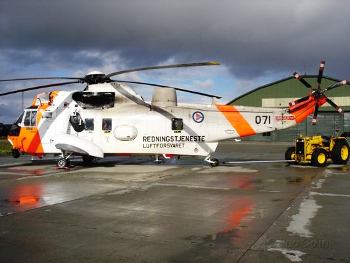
(303, 107)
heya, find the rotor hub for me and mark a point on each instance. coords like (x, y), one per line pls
(318, 94)
(96, 77)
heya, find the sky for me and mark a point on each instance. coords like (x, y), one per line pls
(256, 42)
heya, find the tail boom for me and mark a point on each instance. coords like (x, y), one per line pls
(301, 110)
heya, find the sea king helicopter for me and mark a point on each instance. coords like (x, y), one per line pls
(108, 117)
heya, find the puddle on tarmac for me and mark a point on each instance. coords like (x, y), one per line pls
(216, 247)
(340, 168)
(24, 197)
(307, 178)
(238, 214)
(246, 182)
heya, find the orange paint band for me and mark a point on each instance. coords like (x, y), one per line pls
(236, 119)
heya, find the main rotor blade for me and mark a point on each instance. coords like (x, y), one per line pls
(320, 74)
(336, 85)
(3, 80)
(338, 109)
(300, 78)
(210, 63)
(39, 87)
(163, 86)
(314, 118)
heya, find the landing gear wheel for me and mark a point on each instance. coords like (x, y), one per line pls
(88, 159)
(158, 160)
(340, 152)
(319, 157)
(214, 162)
(15, 153)
(290, 154)
(63, 163)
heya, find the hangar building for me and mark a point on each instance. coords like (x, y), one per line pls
(280, 93)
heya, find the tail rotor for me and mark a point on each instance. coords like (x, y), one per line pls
(317, 94)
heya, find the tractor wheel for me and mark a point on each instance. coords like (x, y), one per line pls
(340, 152)
(290, 154)
(319, 157)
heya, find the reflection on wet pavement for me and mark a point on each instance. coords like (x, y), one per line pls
(24, 197)
(180, 211)
(247, 182)
(240, 210)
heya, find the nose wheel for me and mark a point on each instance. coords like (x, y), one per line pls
(15, 153)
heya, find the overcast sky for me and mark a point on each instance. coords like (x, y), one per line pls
(256, 41)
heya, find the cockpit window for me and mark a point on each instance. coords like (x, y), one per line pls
(26, 121)
(33, 118)
(29, 118)
(19, 120)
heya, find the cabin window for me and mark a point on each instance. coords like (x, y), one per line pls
(29, 118)
(107, 124)
(177, 124)
(89, 124)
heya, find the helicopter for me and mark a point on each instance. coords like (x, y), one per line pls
(108, 117)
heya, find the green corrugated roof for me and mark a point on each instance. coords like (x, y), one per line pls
(290, 88)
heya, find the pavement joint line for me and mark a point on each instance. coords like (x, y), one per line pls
(195, 216)
(13, 164)
(9, 173)
(194, 186)
(300, 194)
(328, 194)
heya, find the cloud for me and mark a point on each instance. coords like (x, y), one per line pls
(250, 37)
(254, 40)
(205, 84)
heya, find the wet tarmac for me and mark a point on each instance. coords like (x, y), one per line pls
(132, 210)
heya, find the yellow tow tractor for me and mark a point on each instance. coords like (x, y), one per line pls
(318, 150)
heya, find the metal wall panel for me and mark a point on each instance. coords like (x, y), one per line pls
(347, 121)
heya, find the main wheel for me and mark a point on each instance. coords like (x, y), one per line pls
(340, 152)
(62, 163)
(214, 162)
(290, 154)
(319, 157)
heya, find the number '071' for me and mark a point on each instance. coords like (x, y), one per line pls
(263, 119)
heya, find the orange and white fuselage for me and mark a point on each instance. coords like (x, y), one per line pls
(133, 126)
